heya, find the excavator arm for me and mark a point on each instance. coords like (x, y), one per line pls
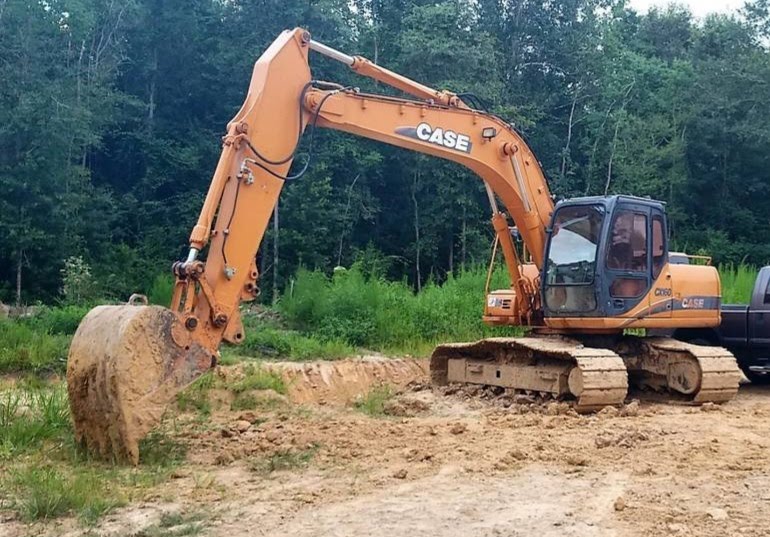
(261, 142)
(126, 362)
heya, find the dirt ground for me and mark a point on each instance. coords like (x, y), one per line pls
(452, 463)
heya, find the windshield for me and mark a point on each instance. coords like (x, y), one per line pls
(574, 243)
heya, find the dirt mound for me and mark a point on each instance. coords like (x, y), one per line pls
(342, 381)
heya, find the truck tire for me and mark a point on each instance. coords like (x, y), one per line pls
(760, 379)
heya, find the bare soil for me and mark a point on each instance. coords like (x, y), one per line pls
(456, 463)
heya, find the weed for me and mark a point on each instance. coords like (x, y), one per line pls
(285, 460)
(270, 342)
(244, 401)
(160, 450)
(24, 348)
(256, 378)
(737, 283)
(46, 492)
(175, 525)
(229, 357)
(373, 403)
(30, 417)
(196, 395)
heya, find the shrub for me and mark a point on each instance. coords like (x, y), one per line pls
(60, 320)
(79, 285)
(162, 289)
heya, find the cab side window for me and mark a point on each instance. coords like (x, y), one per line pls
(628, 242)
(658, 246)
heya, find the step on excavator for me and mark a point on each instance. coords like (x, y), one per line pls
(583, 272)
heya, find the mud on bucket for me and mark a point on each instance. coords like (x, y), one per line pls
(125, 364)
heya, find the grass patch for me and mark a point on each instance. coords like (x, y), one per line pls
(373, 402)
(47, 492)
(175, 525)
(273, 342)
(244, 401)
(196, 395)
(45, 474)
(256, 378)
(26, 348)
(29, 417)
(285, 460)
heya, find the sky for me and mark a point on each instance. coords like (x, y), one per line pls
(698, 7)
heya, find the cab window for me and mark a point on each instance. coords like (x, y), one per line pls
(572, 255)
(658, 246)
(628, 242)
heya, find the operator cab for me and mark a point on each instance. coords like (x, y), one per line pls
(603, 255)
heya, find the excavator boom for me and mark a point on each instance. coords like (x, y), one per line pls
(127, 362)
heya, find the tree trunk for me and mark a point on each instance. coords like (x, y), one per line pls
(344, 220)
(275, 254)
(19, 261)
(612, 158)
(565, 155)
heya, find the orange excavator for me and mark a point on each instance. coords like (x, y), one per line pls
(582, 273)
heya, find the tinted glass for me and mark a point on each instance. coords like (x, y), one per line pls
(628, 242)
(658, 246)
(574, 244)
(572, 255)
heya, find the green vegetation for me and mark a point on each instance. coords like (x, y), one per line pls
(176, 525)
(327, 318)
(656, 104)
(196, 395)
(737, 283)
(257, 378)
(274, 342)
(45, 474)
(285, 460)
(47, 492)
(373, 402)
(39, 343)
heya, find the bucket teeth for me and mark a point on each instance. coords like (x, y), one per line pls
(126, 363)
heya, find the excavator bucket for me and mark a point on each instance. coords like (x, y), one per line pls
(125, 364)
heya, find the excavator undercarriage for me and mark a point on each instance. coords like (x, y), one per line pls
(592, 373)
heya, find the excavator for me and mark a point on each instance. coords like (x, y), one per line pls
(587, 276)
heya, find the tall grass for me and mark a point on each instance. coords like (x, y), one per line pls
(367, 311)
(26, 348)
(39, 343)
(737, 283)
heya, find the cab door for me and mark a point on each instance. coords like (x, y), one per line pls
(662, 295)
(627, 263)
(759, 317)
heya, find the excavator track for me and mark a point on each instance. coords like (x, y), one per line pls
(695, 373)
(564, 368)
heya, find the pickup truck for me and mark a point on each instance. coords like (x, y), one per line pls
(745, 331)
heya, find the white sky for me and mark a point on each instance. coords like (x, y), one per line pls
(698, 7)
